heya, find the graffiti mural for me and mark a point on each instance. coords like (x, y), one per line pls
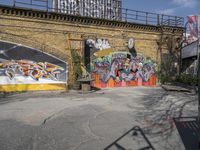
(30, 68)
(23, 65)
(120, 68)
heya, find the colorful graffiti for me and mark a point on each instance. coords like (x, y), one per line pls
(30, 68)
(121, 68)
(23, 68)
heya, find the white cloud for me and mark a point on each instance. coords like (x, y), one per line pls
(180, 4)
(169, 11)
(186, 3)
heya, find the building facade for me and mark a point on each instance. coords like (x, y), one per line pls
(105, 9)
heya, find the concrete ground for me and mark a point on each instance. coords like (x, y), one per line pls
(74, 121)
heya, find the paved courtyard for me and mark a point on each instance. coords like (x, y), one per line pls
(75, 121)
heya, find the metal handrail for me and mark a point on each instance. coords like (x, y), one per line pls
(116, 13)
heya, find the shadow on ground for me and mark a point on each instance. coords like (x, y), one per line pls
(135, 132)
(188, 128)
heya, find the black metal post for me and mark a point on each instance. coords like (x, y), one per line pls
(126, 15)
(146, 18)
(158, 19)
(47, 5)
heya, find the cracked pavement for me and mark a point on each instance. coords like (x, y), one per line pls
(74, 121)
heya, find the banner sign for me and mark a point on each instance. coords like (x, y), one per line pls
(193, 26)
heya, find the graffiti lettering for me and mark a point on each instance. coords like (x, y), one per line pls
(36, 70)
(122, 66)
(99, 44)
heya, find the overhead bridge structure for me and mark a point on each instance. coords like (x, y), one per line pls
(36, 41)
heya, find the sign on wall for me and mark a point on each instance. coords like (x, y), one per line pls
(22, 66)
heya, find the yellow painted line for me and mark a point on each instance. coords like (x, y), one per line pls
(32, 87)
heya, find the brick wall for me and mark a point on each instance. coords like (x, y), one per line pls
(57, 34)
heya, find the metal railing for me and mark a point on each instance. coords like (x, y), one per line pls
(98, 10)
(151, 18)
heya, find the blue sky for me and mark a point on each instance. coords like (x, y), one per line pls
(181, 8)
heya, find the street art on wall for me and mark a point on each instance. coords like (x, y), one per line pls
(24, 66)
(120, 68)
(99, 44)
(35, 70)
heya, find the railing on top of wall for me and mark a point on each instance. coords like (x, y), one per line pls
(110, 13)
